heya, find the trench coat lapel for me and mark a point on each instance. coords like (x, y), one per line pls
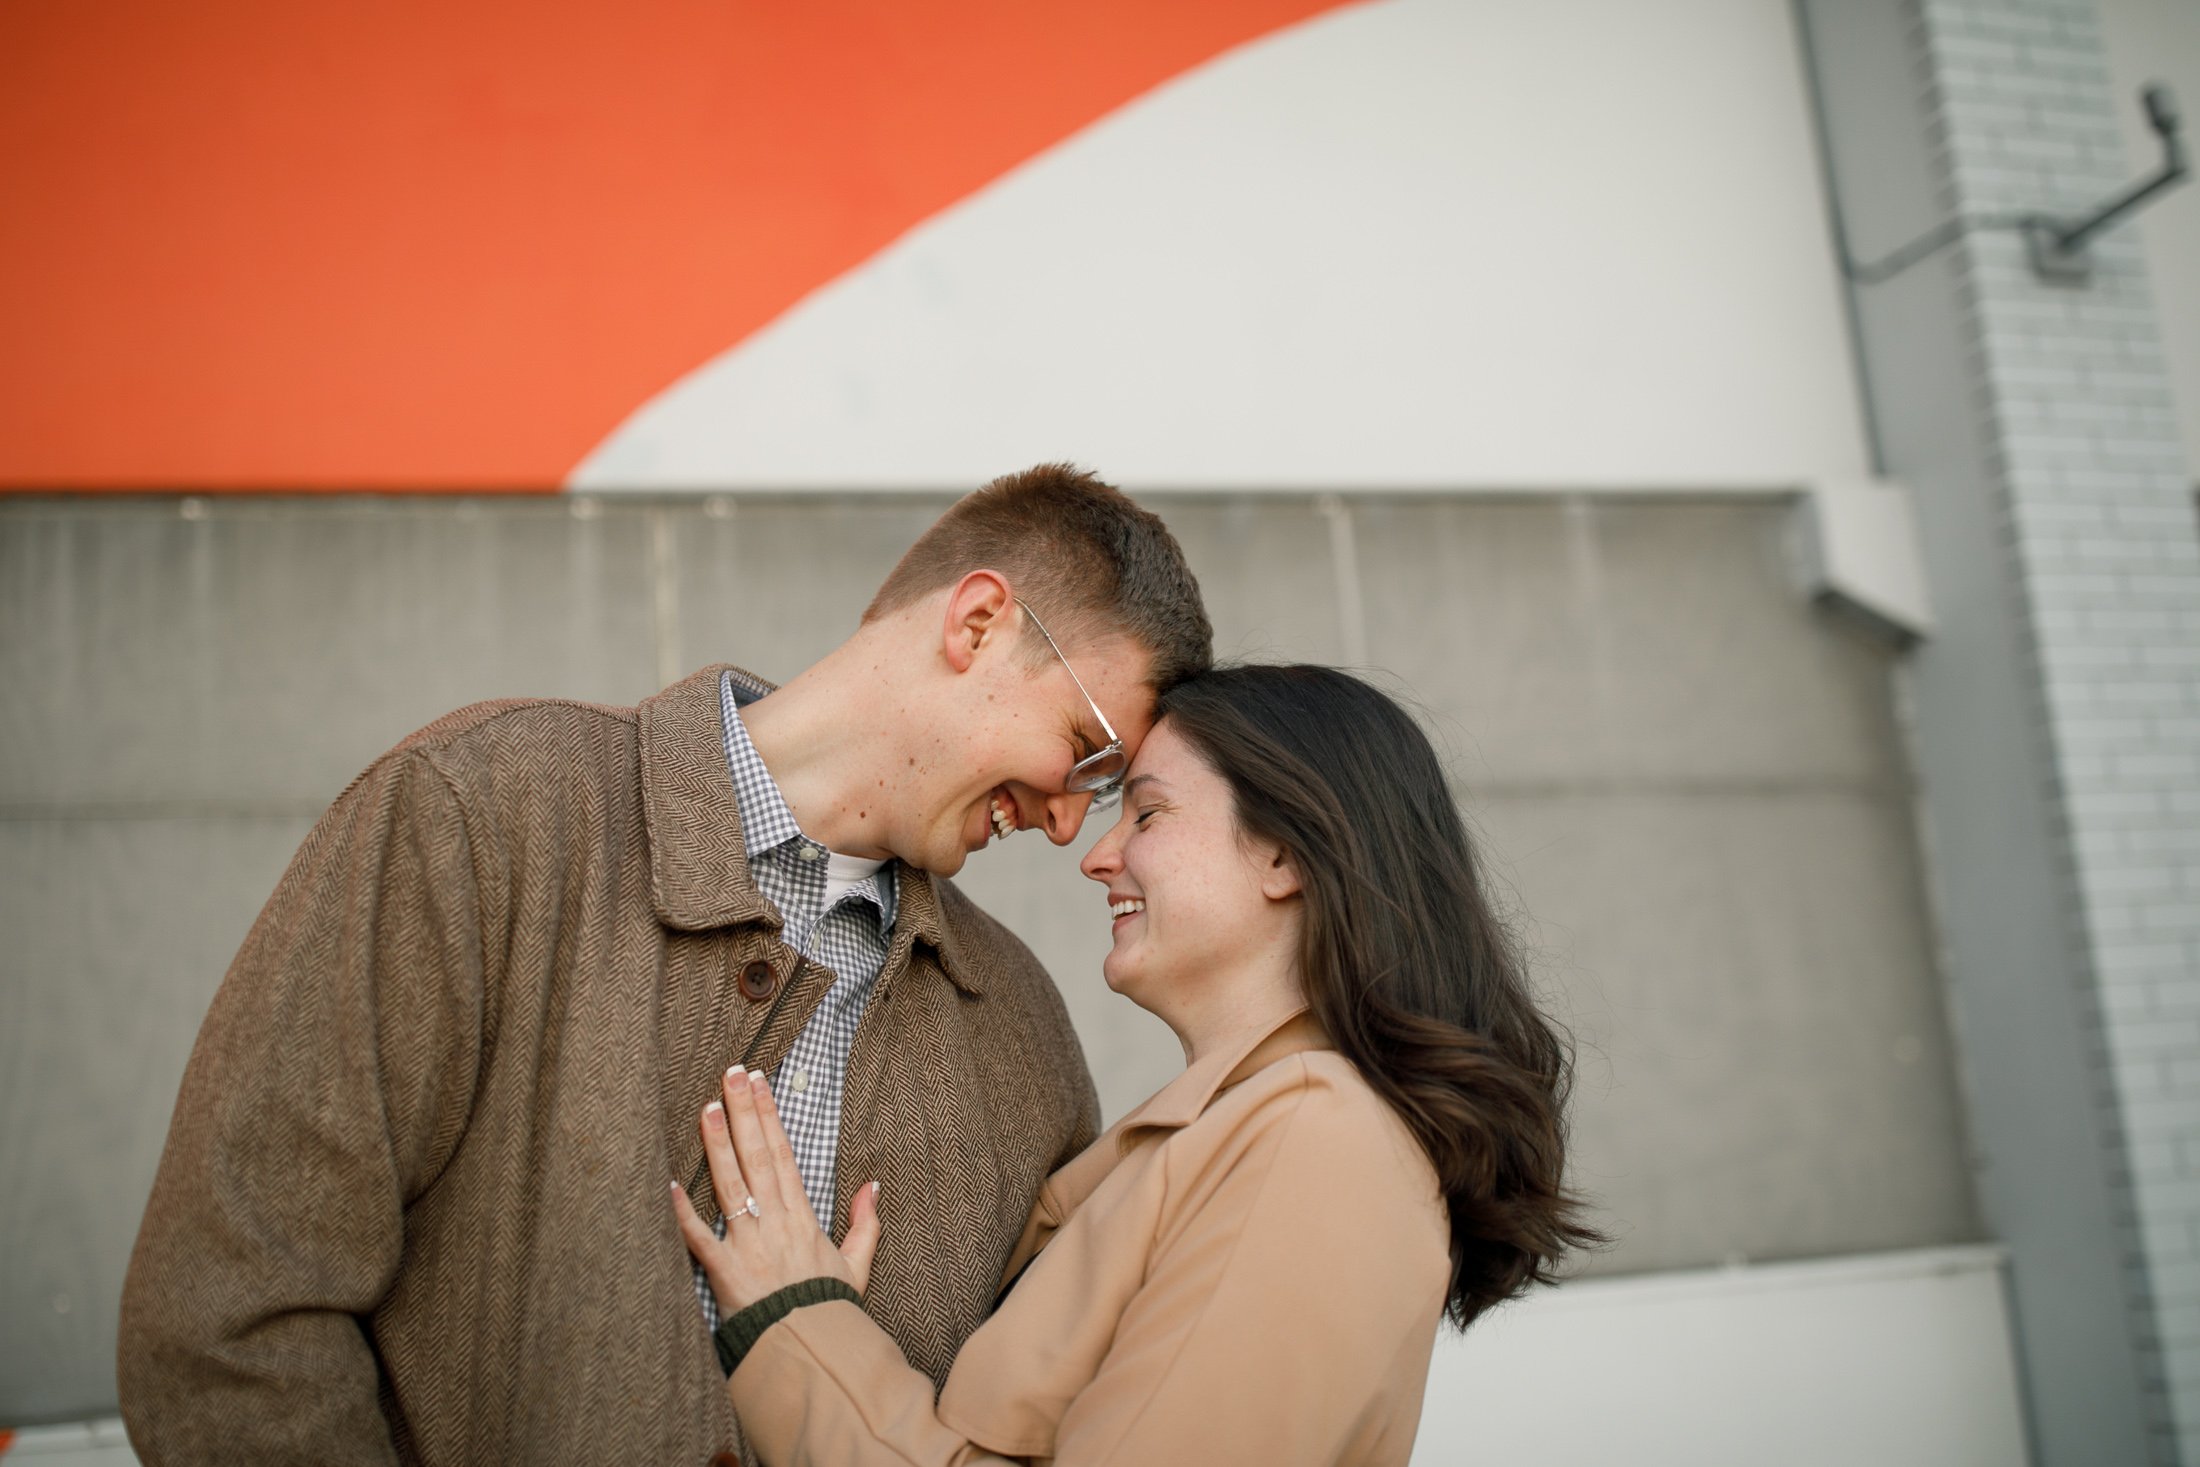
(1172, 1107)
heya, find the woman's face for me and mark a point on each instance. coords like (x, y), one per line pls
(1191, 901)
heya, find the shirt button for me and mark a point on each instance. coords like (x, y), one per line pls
(801, 1081)
(811, 853)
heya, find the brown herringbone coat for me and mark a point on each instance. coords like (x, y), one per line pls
(413, 1203)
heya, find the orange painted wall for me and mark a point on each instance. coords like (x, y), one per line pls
(449, 246)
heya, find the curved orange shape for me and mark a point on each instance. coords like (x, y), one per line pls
(258, 245)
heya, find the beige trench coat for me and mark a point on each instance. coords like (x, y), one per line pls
(1250, 1267)
(413, 1205)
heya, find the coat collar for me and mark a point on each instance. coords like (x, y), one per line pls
(1172, 1107)
(920, 915)
(1184, 1099)
(698, 864)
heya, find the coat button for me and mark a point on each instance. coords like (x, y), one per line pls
(758, 982)
(725, 1459)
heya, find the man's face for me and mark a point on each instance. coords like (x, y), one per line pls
(1008, 742)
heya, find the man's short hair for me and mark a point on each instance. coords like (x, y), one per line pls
(1088, 560)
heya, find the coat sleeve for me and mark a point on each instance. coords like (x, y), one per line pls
(329, 1085)
(1290, 1301)
(1292, 1295)
(827, 1385)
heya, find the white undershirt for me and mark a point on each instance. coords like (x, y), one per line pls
(845, 873)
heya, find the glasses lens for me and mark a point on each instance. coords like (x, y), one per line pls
(1101, 775)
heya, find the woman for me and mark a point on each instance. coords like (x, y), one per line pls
(1368, 1133)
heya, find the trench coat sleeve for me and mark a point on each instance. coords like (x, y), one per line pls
(826, 1384)
(330, 1083)
(1286, 1316)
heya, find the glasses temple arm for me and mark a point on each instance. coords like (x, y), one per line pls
(1091, 701)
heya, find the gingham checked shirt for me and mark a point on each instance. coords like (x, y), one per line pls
(849, 937)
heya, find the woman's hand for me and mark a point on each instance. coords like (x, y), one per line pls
(772, 1237)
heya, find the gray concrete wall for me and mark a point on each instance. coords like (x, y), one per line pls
(1692, 784)
(2057, 707)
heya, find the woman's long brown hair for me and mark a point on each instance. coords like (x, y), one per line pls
(1407, 966)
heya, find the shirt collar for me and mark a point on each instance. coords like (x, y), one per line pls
(766, 822)
(768, 827)
(698, 860)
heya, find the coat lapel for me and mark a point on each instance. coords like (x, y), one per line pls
(699, 883)
(1172, 1107)
(698, 863)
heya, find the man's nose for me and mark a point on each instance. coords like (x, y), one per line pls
(1066, 816)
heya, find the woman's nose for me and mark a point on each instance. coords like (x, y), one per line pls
(1100, 862)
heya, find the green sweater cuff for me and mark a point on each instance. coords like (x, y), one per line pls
(738, 1332)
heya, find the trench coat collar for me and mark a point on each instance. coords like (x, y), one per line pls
(1172, 1107)
(698, 862)
(1184, 1099)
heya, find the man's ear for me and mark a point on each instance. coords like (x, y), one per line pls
(978, 607)
(1279, 874)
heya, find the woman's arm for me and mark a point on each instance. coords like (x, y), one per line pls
(1286, 1315)
(836, 1390)
(772, 1238)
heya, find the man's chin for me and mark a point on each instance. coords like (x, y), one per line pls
(970, 846)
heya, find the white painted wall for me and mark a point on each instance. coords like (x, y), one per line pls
(1414, 242)
(1894, 1360)
(2159, 41)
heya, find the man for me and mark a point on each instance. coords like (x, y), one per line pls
(414, 1200)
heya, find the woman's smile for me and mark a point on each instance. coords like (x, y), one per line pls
(1121, 909)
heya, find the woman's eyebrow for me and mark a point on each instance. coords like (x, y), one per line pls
(1132, 786)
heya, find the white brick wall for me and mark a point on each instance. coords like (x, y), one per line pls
(2100, 524)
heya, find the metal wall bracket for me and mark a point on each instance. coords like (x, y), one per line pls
(2058, 246)
(2051, 259)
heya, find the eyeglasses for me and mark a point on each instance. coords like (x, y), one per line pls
(1099, 775)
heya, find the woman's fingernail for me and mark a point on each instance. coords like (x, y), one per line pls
(733, 1071)
(714, 1106)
